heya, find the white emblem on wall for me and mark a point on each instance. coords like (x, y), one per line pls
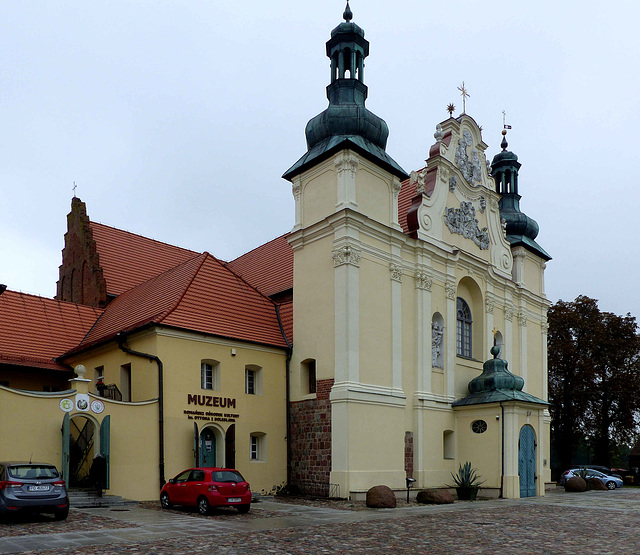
(97, 406)
(66, 405)
(82, 402)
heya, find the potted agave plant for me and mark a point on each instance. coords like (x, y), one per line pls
(467, 482)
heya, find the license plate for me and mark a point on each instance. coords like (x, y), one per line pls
(37, 488)
(234, 500)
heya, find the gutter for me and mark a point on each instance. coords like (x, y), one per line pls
(120, 339)
(288, 394)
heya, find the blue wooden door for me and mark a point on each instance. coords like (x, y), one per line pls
(527, 461)
(105, 446)
(66, 441)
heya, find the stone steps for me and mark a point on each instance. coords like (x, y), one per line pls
(85, 499)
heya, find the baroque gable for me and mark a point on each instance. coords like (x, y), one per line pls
(456, 202)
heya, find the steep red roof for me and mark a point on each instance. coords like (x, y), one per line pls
(35, 329)
(269, 267)
(407, 193)
(286, 316)
(201, 295)
(128, 259)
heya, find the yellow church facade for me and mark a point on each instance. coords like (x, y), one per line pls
(395, 333)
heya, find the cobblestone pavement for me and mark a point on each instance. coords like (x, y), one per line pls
(559, 523)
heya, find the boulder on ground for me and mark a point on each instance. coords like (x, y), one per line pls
(381, 497)
(597, 484)
(575, 483)
(434, 497)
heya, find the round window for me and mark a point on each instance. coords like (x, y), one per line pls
(479, 426)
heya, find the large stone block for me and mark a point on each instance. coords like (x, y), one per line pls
(575, 484)
(381, 497)
(434, 497)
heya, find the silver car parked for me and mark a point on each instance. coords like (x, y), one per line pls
(32, 487)
(609, 480)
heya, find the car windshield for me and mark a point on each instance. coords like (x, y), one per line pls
(226, 476)
(32, 472)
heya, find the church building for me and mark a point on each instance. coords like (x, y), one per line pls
(396, 332)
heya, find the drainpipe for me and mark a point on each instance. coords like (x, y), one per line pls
(502, 471)
(121, 338)
(288, 395)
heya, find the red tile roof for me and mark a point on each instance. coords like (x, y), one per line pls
(201, 295)
(128, 259)
(269, 267)
(35, 330)
(407, 193)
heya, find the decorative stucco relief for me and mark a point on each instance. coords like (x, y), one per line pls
(463, 222)
(522, 319)
(450, 288)
(396, 272)
(508, 313)
(346, 255)
(418, 179)
(489, 305)
(469, 166)
(423, 281)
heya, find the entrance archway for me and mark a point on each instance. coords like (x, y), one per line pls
(82, 448)
(527, 461)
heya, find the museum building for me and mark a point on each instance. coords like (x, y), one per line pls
(349, 352)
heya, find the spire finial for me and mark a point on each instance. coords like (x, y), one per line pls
(348, 14)
(465, 94)
(74, 189)
(504, 144)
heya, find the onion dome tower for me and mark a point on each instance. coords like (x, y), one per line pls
(496, 384)
(346, 123)
(521, 229)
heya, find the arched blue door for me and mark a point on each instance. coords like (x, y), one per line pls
(527, 461)
(207, 448)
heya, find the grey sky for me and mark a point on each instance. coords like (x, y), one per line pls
(176, 119)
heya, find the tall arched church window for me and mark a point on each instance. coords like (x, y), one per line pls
(464, 323)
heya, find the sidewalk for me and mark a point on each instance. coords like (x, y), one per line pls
(591, 522)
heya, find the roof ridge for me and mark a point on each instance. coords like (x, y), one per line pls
(91, 222)
(225, 265)
(195, 272)
(259, 246)
(52, 299)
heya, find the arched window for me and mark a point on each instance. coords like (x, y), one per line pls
(464, 321)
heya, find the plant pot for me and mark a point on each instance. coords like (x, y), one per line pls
(467, 493)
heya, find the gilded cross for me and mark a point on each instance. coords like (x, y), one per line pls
(465, 94)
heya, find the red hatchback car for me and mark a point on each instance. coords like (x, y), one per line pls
(207, 487)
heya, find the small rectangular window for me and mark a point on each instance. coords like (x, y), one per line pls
(250, 381)
(258, 446)
(206, 371)
(254, 448)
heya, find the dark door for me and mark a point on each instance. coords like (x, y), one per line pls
(207, 448)
(230, 447)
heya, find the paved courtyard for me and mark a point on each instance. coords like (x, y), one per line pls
(591, 522)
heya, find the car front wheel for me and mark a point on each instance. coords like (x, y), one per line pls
(165, 501)
(203, 506)
(611, 485)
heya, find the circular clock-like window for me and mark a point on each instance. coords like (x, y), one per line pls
(479, 426)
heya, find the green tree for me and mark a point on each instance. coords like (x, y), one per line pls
(594, 378)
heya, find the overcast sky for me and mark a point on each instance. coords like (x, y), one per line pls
(176, 119)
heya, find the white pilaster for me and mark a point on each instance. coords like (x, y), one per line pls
(396, 271)
(346, 260)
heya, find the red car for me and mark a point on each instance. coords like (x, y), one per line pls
(207, 487)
